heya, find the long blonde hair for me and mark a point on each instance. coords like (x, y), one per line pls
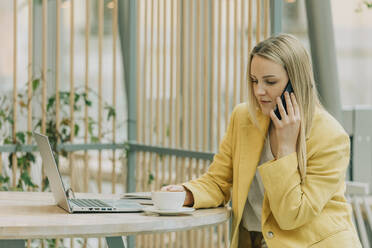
(286, 50)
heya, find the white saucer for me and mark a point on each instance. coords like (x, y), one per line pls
(153, 209)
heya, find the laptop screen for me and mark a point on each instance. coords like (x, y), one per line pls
(50, 166)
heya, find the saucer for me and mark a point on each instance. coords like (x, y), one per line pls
(182, 210)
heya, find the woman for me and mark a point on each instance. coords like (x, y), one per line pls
(286, 174)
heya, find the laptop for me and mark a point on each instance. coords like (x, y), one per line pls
(77, 205)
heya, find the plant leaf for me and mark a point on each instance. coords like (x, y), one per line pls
(76, 131)
(94, 139)
(20, 137)
(51, 101)
(35, 84)
(111, 112)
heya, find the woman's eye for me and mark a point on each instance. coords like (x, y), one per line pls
(271, 82)
(254, 81)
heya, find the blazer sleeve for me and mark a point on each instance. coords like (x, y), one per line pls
(294, 204)
(212, 189)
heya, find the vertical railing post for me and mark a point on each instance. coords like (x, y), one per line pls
(348, 124)
(128, 29)
(362, 145)
(128, 40)
(51, 43)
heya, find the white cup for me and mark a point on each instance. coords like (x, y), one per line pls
(166, 200)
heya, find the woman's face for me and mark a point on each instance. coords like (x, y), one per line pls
(269, 80)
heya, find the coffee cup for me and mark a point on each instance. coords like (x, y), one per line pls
(167, 200)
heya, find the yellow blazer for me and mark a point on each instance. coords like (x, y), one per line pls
(312, 214)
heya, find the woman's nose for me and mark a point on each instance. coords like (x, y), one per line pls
(260, 89)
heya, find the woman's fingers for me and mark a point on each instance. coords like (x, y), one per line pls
(173, 188)
(296, 109)
(166, 188)
(291, 111)
(288, 101)
(282, 111)
(274, 118)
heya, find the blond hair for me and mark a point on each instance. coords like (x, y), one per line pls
(287, 51)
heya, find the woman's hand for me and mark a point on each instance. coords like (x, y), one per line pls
(288, 128)
(189, 199)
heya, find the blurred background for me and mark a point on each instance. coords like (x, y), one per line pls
(137, 94)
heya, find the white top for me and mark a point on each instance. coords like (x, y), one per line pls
(253, 207)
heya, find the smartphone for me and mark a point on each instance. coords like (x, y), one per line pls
(288, 88)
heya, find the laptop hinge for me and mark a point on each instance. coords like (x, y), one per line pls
(70, 194)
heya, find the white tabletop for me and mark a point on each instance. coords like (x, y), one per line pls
(25, 215)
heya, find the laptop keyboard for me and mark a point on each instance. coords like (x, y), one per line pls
(89, 203)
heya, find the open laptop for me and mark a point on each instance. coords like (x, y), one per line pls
(77, 205)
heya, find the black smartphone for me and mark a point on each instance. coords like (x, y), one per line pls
(288, 88)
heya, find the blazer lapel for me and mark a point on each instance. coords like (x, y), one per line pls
(265, 209)
(251, 145)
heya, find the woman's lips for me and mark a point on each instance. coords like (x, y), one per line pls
(265, 102)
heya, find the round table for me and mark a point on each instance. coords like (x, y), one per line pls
(31, 215)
